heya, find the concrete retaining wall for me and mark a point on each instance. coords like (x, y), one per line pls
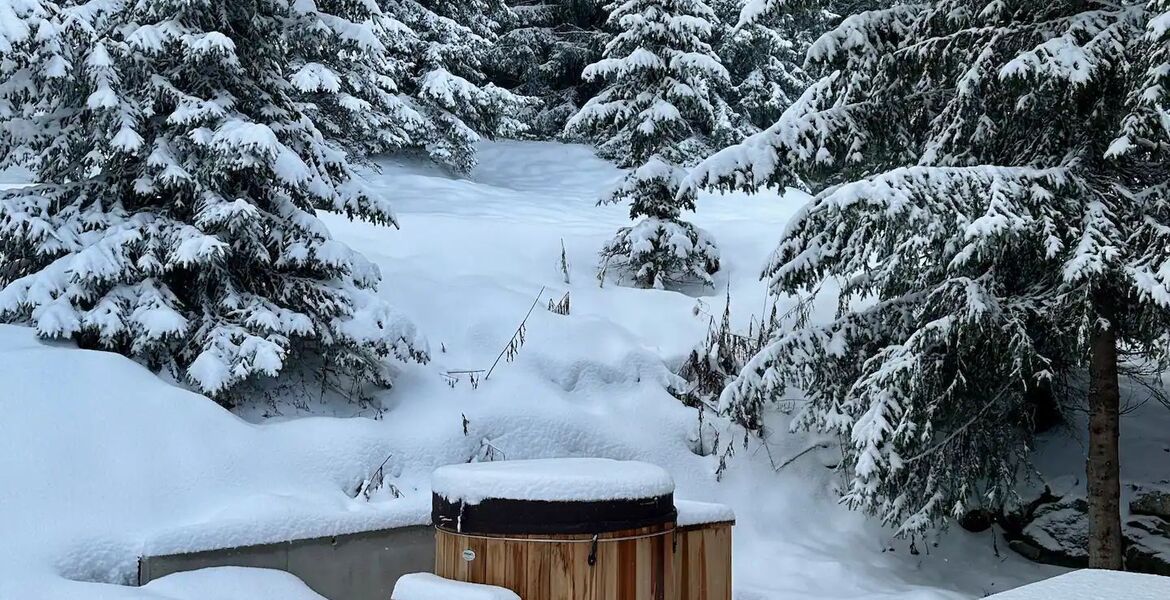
(360, 566)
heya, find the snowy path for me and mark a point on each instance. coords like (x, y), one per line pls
(110, 462)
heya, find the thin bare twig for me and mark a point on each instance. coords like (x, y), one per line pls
(961, 429)
(518, 331)
(816, 446)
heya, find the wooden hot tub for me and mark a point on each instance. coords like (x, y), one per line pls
(563, 528)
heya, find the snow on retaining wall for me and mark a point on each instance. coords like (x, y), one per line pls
(357, 566)
(290, 523)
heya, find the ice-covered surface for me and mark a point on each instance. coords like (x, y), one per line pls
(426, 586)
(551, 479)
(1093, 584)
(229, 583)
(691, 512)
(100, 459)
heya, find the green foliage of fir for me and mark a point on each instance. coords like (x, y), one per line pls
(998, 197)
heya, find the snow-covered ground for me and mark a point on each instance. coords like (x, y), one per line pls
(1092, 584)
(101, 461)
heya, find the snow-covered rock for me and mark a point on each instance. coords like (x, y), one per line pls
(1147, 545)
(1058, 533)
(1151, 499)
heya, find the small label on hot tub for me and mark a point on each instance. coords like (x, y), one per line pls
(469, 555)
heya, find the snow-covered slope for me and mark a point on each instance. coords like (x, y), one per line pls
(101, 461)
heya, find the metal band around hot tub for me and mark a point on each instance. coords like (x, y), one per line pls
(594, 539)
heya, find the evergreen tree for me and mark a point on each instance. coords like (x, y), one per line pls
(762, 43)
(181, 162)
(355, 102)
(451, 40)
(658, 112)
(543, 57)
(1004, 224)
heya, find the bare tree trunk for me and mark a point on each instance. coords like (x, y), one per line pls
(1104, 480)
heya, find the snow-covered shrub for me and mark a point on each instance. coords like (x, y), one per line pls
(1004, 226)
(658, 112)
(180, 164)
(721, 357)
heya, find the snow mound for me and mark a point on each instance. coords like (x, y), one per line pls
(231, 583)
(1093, 584)
(104, 461)
(425, 586)
(691, 513)
(555, 479)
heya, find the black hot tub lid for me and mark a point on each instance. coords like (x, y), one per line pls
(551, 496)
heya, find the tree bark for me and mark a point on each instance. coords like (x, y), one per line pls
(1102, 470)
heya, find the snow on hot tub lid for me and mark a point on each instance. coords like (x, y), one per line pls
(551, 480)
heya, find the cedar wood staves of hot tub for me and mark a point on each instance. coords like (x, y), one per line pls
(656, 562)
(703, 561)
(640, 568)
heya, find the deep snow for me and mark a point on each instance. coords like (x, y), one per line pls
(102, 461)
(1093, 584)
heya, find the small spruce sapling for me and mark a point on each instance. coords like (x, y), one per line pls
(658, 112)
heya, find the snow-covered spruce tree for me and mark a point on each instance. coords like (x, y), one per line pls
(543, 55)
(180, 169)
(658, 112)
(451, 40)
(1005, 224)
(355, 102)
(763, 43)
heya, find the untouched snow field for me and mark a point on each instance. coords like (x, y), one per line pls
(102, 461)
